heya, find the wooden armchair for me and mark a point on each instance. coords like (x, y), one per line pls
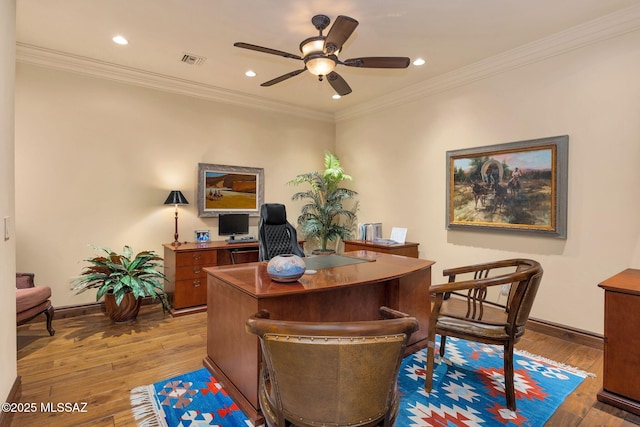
(469, 315)
(333, 373)
(32, 300)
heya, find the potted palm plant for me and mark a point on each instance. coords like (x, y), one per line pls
(123, 280)
(325, 217)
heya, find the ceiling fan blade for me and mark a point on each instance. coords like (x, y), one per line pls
(340, 31)
(378, 62)
(266, 50)
(283, 77)
(338, 83)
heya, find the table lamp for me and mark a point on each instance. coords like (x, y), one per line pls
(176, 198)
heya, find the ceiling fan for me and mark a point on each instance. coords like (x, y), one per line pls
(320, 54)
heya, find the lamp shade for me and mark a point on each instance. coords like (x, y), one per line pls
(176, 198)
(320, 65)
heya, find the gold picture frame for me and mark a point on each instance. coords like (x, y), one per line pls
(517, 187)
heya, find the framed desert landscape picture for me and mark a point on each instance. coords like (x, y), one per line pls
(517, 187)
(229, 189)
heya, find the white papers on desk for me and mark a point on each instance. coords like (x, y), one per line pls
(387, 242)
(398, 234)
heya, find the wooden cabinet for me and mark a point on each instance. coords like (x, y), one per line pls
(621, 386)
(409, 249)
(184, 267)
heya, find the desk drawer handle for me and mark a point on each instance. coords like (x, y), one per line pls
(197, 256)
(197, 270)
(196, 283)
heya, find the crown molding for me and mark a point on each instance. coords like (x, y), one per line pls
(35, 55)
(612, 25)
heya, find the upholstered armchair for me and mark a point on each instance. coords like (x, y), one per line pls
(32, 300)
(331, 373)
(469, 313)
(276, 236)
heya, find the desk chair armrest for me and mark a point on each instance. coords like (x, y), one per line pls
(478, 283)
(487, 266)
(471, 284)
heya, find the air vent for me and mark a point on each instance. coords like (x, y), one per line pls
(191, 59)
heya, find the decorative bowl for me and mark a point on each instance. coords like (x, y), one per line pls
(286, 268)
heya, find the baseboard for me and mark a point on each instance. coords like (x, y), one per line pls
(14, 397)
(566, 333)
(79, 310)
(66, 311)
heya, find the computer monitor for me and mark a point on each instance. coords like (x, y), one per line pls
(233, 224)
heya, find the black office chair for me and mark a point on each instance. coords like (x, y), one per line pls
(275, 235)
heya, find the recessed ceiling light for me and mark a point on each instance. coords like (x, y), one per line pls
(120, 40)
(418, 62)
(250, 73)
(336, 96)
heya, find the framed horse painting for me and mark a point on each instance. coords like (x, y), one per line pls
(517, 187)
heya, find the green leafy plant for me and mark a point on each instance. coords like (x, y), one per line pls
(123, 273)
(324, 216)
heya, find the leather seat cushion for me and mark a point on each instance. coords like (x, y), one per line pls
(32, 312)
(483, 331)
(465, 327)
(32, 297)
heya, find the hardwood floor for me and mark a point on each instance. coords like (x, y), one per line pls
(89, 360)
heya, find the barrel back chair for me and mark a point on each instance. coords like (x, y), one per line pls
(461, 308)
(331, 373)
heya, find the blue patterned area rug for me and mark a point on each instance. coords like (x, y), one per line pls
(468, 391)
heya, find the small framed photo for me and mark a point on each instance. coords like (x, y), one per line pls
(202, 236)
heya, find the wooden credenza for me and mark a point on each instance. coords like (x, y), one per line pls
(184, 266)
(620, 383)
(409, 249)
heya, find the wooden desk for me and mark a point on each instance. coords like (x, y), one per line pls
(620, 383)
(184, 267)
(347, 293)
(409, 249)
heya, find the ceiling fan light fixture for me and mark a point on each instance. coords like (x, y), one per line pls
(319, 65)
(314, 58)
(312, 45)
(320, 54)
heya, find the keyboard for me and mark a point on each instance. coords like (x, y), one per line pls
(242, 240)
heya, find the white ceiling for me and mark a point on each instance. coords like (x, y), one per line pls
(449, 34)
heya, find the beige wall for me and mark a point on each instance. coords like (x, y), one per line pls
(95, 160)
(7, 247)
(397, 157)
